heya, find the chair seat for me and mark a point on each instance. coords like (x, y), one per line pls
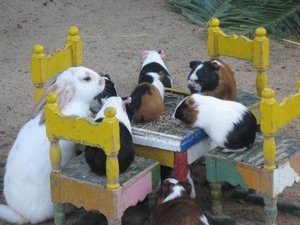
(245, 168)
(78, 185)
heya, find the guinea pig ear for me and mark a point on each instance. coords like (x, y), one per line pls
(215, 64)
(191, 102)
(161, 75)
(145, 54)
(162, 53)
(106, 76)
(126, 101)
(187, 186)
(193, 64)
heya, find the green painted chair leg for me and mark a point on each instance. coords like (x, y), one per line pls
(270, 210)
(216, 196)
(59, 215)
(115, 222)
(152, 198)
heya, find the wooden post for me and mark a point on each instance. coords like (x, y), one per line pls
(261, 59)
(112, 164)
(38, 71)
(181, 165)
(268, 128)
(74, 41)
(216, 197)
(212, 42)
(55, 150)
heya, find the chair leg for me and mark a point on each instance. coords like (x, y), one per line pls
(152, 198)
(59, 215)
(114, 221)
(270, 210)
(216, 196)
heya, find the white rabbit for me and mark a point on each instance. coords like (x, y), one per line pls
(27, 173)
(230, 124)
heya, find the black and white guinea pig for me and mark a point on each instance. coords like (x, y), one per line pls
(96, 157)
(109, 90)
(174, 206)
(153, 63)
(230, 124)
(212, 78)
(146, 103)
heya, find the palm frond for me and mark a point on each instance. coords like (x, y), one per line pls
(281, 18)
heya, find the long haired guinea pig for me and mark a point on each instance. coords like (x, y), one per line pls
(212, 78)
(146, 104)
(153, 63)
(95, 157)
(26, 179)
(174, 206)
(229, 124)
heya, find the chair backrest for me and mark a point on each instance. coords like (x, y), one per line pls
(43, 66)
(274, 116)
(256, 50)
(86, 132)
(271, 115)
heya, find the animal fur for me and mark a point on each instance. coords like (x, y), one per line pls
(147, 104)
(176, 207)
(213, 78)
(229, 124)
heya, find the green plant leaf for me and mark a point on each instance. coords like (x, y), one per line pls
(281, 18)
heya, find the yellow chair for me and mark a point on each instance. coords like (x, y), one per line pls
(270, 165)
(75, 183)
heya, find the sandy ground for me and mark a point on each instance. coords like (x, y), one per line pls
(114, 35)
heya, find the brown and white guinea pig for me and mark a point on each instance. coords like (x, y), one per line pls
(174, 206)
(212, 78)
(96, 157)
(153, 63)
(230, 124)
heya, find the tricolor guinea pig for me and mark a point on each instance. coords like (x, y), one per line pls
(174, 206)
(153, 63)
(230, 124)
(147, 99)
(212, 78)
(96, 157)
(146, 104)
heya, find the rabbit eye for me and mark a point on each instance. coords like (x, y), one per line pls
(87, 78)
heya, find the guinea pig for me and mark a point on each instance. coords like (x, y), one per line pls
(109, 90)
(146, 104)
(174, 206)
(153, 63)
(96, 157)
(230, 124)
(212, 78)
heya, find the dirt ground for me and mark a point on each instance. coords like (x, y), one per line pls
(114, 34)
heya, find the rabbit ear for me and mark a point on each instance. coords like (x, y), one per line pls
(64, 94)
(40, 104)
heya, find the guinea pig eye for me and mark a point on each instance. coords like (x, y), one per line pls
(87, 78)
